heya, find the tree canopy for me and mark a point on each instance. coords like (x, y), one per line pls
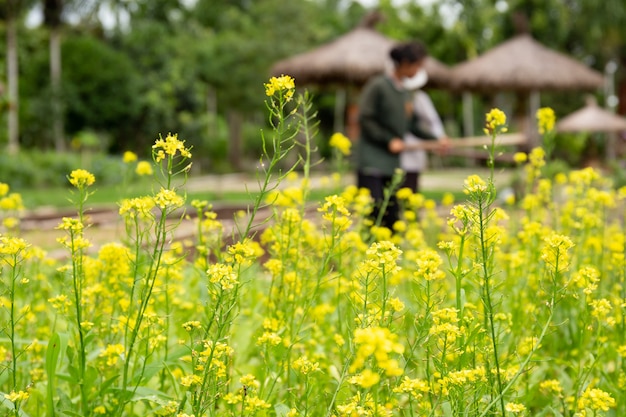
(132, 70)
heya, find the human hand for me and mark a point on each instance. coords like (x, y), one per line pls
(396, 145)
(444, 145)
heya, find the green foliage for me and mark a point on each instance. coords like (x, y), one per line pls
(100, 85)
(158, 72)
(42, 169)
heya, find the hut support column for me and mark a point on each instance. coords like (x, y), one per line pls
(534, 103)
(340, 110)
(468, 114)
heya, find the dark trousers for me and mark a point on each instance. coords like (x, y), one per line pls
(377, 184)
(412, 181)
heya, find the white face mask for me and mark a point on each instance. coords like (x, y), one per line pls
(417, 81)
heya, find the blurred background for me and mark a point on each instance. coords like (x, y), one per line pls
(85, 80)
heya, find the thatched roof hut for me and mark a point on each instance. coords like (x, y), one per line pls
(523, 64)
(592, 118)
(351, 59)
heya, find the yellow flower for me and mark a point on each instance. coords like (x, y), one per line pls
(305, 366)
(550, 387)
(170, 146)
(554, 253)
(190, 325)
(68, 223)
(496, 122)
(223, 275)
(378, 342)
(15, 397)
(189, 380)
(595, 399)
(545, 120)
(129, 157)
(283, 84)
(140, 206)
(413, 387)
(365, 379)
(514, 408)
(4, 189)
(447, 199)
(168, 198)
(340, 142)
(112, 353)
(475, 184)
(520, 157)
(12, 245)
(144, 168)
(80, 178)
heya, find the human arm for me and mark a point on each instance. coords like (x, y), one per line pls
(376, 108)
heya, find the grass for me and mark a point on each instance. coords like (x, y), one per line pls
(104, 195)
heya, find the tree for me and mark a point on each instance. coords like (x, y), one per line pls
(53, 10)
(12, 10)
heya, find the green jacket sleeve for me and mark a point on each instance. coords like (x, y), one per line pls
(414, 127)
(371, 116)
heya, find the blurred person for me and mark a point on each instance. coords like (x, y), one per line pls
(385, 117)
(414, 159)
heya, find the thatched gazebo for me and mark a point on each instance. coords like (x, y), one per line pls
(346, 63)
(595, 119)
(592, 118)
(351, 59)
(525, 66)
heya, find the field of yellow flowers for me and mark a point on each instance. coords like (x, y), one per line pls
(493, 309)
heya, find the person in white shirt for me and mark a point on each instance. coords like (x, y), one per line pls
(414, 159)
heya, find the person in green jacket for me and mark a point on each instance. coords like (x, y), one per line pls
(385, 116)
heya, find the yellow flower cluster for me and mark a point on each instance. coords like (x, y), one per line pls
(340, 142)
(68, 223)
(366, 379)
(335, 212)
(380, 343)
(247, 396)
(129, 157)
(219, 354)
(12, 246)
(382, 257)
(192, 325)
(496, 122)
(459, 379)
(305, 366)
(555, 252)
(545, 120)
(551, 387)
(81, 178)
(515, 408)
(595, 400)
(17, 396)
(474, 184)
(428, 264)
(11, 204)
(222, 275)
(168, 199)
(139, 207)
(414, 387)
(112, 353)
(284, 85)
(144, 168)
(170, 147)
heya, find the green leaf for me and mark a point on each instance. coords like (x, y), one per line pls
(56, 344)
